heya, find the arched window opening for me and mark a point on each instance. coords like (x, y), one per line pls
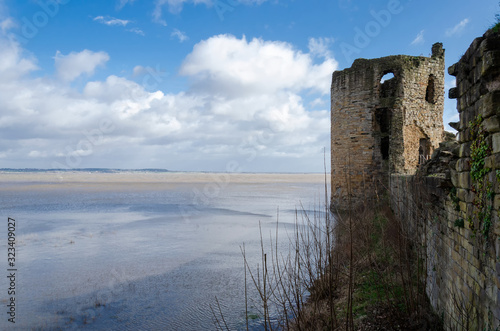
(386, 77)
(388, 85)
(430, 93)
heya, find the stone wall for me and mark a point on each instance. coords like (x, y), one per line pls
(455, 221)
(383, 127)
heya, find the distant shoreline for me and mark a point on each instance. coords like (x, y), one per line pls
(147, 170)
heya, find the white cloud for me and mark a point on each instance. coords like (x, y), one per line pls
(180, 35)
(112, 21)
(419, 39)
(43, 120)
(108, 20)
(320, 46)
(175, 6)
(457, 29)
(226, 65)
(15, 64)
(71, 66)
(317, 102)
(123, 3)
(137, 31)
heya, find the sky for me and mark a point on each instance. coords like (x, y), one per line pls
(199, 85)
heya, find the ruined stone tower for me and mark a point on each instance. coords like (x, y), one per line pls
(383, 127)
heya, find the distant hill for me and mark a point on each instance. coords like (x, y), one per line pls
(100, 170)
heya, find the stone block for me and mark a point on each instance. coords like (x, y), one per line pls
(463, 87)
(496, 202)
(464, 180)
(464, 150)
(475, 262)
(462, 194)
(491, 63)
(467, 245)
(453, 69)
(474, 274)
(465, 135)
(463, 165)
(454, 177)
(453, 93)
(455, 125)
(489, 104)
(491, 124)
(463, 206)
(476, 73)
(492, 161)
(461, 105)
(495, 143)
(455, 256)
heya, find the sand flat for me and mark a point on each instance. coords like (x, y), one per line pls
(165, 178)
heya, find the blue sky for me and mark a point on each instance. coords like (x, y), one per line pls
(199, 85)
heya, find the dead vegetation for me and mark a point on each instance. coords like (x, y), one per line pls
(354, 270)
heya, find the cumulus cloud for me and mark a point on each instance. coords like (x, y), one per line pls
(71, 66)
(419, 39)
(117, 122)
(457, 29)
(227, 65)
(15, 64)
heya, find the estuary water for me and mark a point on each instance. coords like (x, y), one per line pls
(141, 250)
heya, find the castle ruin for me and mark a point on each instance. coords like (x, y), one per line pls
(450, 210)
(383, 127)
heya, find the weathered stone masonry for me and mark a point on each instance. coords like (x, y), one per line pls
(383, 127)
(456, 222)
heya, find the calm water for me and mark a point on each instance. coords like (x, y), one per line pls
(130, 251)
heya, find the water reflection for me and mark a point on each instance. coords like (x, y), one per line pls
(105, 255)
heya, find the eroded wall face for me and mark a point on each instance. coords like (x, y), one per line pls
(457, 228)
(423, 105)
(377, 127)
(351, 132)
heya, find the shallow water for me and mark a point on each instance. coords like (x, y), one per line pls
(128, 251)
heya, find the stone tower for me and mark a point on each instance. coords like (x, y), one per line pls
(383, 127)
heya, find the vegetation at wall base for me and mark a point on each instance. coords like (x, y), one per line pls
(371, 279)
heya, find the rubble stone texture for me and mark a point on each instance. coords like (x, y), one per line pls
(385, 127)
(445, 216)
